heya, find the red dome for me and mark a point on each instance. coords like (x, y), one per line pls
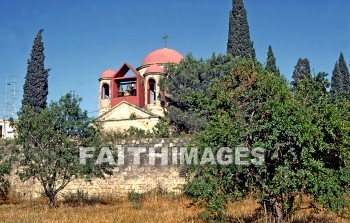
(107, 74)
(164, 55)
(154, 69)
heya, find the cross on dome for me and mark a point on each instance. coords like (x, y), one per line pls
(164, 37)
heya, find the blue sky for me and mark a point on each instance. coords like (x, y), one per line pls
(85, 37)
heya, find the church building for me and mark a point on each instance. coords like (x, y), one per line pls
(131, 96)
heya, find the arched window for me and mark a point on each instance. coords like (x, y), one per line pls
(151, 91)
(105, 91)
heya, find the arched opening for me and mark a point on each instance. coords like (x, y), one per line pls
(105, 91)
(151, 91)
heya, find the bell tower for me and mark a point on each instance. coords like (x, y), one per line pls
(104, 99)
(154, 95)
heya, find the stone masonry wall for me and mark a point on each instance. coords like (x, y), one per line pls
(125, 178)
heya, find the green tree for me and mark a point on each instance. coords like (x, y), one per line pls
(321, 83)
(189, 84)
(50, 140)
(344, 71)
(337, 80)
(301, 71)
(271, 62)
(253, 52)
(239, 43)
(35, 89)
(305, 138)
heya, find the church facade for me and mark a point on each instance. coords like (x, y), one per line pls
(132, 96)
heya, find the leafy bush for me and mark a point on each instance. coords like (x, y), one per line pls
(136, 199)
(134, 132)
(83, 198)
(162, 129)
(5, 169)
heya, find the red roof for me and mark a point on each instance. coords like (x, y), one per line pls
(123, 69)
(164, 55)
(154, 69)
(107, 74)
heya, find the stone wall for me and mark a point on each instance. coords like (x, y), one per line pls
(125, 178)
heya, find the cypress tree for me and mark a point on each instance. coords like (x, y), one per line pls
(253, 52)
(337, 80)
(271, 62)
(35, 89)
(343, 68)
(301, 71)
(239, 43)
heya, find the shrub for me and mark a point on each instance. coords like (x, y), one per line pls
(5, 169)
(136, 199)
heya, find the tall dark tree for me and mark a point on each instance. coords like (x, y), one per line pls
(253, 52)
(239, 43)
(271, 62)
(343, 68)
(337, 79)
(35, 89)
(301, 71)
(341, 77)
(189, 83)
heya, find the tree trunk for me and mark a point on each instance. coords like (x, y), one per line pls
(291, 200)
(52, 199)
(276, 210)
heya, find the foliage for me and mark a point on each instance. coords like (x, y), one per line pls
(133, 116)
(75, 199)
(35, 89)
(301, 71)
(239, 43)
(321, 83)
(337, 79)
(134, 132)
(5, 169)
(271, 62)
(341, 79)
(51, 139)
(343, 68)
(189, 83)
(253, 52)
(83, 198)
(213, 186)
(136, 199)
(162, 129)
(305, 138)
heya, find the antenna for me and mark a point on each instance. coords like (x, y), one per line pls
(10, 109)
(5, 104)
(14, 98)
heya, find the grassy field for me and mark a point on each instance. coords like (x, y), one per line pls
(150, 208)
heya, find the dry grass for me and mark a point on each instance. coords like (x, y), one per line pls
(151, 208)
(248, 210)
(165, 208)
